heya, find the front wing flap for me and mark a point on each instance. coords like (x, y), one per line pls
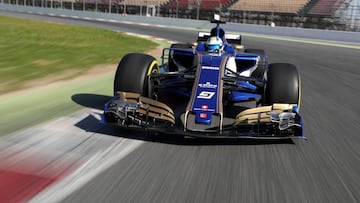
(278, 120)
(130, 109)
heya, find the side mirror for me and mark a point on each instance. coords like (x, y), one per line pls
(193, 44)
(239, 47)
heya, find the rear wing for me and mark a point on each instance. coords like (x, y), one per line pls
(230, 38)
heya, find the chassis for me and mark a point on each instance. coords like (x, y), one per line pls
(195, 93)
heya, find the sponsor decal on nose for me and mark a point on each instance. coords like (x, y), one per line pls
(203, 115)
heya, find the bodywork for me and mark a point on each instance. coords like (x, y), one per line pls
(218, 102)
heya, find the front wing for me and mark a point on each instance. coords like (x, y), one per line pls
(132, 111)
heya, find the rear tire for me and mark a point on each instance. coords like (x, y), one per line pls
(260, 70)
(282, 84)
(132, 71)
(255, 51)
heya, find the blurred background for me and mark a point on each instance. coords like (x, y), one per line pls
(318, 14)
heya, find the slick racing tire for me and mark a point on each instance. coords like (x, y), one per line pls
(132, 71)
(174, 54)
(260, 70)
(282, 84)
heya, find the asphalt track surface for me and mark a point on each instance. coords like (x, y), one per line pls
(325, 168)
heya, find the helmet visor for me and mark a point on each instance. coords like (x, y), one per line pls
(213, 47)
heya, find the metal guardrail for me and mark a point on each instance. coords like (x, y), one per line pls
(340, 36)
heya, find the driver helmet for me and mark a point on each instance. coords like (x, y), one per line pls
(214, 44)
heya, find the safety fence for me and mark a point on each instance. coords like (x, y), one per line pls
(317, 14)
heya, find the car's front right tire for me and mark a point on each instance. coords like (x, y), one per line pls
(132, 71)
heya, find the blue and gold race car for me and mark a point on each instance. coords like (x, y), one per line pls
(211, 88)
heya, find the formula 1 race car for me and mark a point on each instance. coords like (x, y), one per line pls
(210, 88)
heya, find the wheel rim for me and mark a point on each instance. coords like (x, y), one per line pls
(153, 68)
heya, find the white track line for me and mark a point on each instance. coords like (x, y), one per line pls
(92, 168)
(73, 140)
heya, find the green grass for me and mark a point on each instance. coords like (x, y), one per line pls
(30, 50)
(35, 107)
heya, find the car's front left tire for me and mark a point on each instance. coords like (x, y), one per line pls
(282, 84)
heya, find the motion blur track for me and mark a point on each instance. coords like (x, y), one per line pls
(326, 168)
